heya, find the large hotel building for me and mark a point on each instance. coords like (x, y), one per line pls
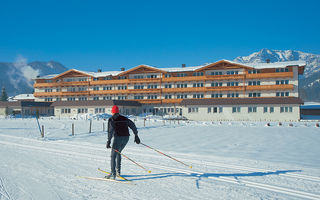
(223, 90)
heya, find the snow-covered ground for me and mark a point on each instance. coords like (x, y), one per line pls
(230, 160)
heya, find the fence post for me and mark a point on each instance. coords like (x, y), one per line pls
(42, 131)
(90, 126)
(103, 127)
(144, 122)
(72, 129)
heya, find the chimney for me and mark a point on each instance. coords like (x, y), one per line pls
(99, 70)
(268, 60)
(183, 65)
(122, 68)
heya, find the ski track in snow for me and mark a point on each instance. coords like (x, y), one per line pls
(77, 150)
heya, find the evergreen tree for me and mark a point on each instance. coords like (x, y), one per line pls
(4, 96)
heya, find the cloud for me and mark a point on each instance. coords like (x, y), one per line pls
(22, 73)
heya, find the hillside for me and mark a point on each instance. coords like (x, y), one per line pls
(17, 77)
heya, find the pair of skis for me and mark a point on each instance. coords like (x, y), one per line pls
(123, 180)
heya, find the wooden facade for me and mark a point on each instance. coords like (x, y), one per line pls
(150, 85)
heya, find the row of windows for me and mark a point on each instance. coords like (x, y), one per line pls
(237, 109)
(169, 96)
(82, 110)
(213, 84)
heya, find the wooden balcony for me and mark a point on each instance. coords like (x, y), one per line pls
(270, 87)
(148, 101)
(144, 91)
(172, 101)
(109, 82)
(224, 77)
(270, 75)
(60, 84)
(106, 92)
(51, 94)
(225, 88)
(145, 80)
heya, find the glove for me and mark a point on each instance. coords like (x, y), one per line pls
(108, 145)
(137, 139)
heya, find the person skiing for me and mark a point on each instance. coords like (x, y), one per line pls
(118, 130)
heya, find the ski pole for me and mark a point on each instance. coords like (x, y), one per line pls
(132, 160)
(166, 155)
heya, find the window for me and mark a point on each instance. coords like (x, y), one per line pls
(151, 76)
(107, 98)
(282, 82)
(122, 77)
(138, 97)
(236, 109)
(82, 89)
(122, 87)
(282, 94)
(152, 86)
(193, 110)
(82, 98)
(216, 84)
(138, 76)
(232, 72)
(181, 74)
(122, 97)
(48, 99)
(218, 95)
(271, 109)
(100, 110)
(254, 83)
(138, 87)
(47, 90)
(252, 109)
(182, 96)
(152, 96)
(285, 109)
(82, 110)
(107, 88)
(168, 86)
(216, 73)
(232, 83)
(96, 98)
(198, 96)
(107, 78)
(255, 71)
(182, 85)
(198, 85)
(169, 96)
(167, 75)
(198, 74)
(233, 95)
(282, 70)
(71, 99)
(96, 88)
(254, 94)
(71, 89)
(265, 109)
(65, 110)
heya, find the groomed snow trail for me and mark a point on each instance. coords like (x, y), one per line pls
(58, 162)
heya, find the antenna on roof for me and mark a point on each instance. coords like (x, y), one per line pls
(183, 65)
(268, 60)
(99, 70)
(122, 68)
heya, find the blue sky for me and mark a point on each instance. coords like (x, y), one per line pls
(91, 34)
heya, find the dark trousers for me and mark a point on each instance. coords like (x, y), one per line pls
(119, 143)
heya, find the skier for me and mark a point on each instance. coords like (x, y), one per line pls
(118, 130)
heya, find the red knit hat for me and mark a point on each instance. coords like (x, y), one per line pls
(115, 109)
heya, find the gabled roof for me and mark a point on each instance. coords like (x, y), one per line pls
(142, 69)
(223, 63)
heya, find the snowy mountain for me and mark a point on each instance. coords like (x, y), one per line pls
(17, 77)
(309, 83)
(312, 60)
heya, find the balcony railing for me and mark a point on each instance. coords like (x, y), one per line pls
(270, 87)
(270, 75)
